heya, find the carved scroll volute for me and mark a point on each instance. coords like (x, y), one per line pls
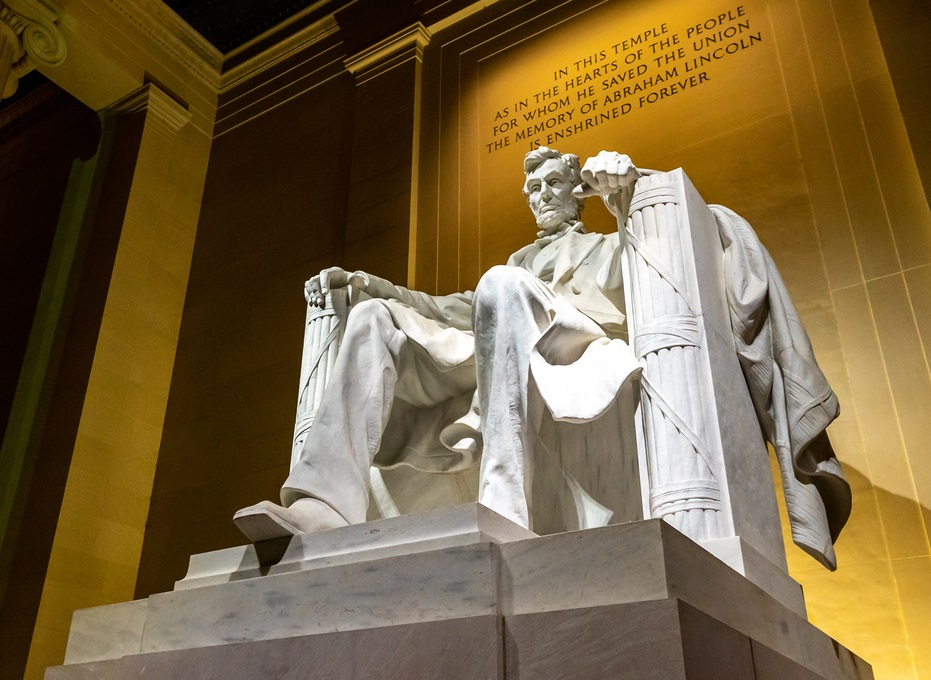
(682, 462)
(28, 38)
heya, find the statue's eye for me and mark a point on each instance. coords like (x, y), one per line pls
(555, 182)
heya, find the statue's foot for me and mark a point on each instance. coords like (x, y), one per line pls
(266, 520)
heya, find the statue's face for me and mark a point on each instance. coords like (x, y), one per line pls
(549, 193)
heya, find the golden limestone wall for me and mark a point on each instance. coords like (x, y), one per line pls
(273, 210)
(98, 540)
(784, 110)
(133, 210)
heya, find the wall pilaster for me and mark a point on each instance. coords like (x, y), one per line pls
(98, 540)
(381, 224)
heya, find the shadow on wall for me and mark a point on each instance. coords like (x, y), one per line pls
(878, 601)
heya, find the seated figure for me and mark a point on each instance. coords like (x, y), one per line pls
(436, 381)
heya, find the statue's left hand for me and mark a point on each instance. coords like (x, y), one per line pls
(318, 287)
(606, 174)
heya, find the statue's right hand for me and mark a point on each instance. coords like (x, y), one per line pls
(318, 287)
(606, 174)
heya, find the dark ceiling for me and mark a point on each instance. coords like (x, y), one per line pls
(227, 24)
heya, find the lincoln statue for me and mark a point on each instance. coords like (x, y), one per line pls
(441, 383)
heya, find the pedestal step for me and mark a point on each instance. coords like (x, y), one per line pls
(636, 600)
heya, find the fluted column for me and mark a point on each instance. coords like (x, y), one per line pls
(29, 38)
(684, 467)
(704, 466)
(323, 331)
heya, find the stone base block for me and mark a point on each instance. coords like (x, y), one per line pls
(659, 640)
(466, 649)
(636, 600)
(447, 527)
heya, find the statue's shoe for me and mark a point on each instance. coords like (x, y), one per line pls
(266, 520)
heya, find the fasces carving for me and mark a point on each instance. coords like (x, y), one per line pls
(28, 38)
(322, 334)
(685, 474)
(396, 377)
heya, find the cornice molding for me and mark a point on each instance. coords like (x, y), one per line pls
(408, 42)
(285, 29)
(280, 51)
(159, 42)
(166, 116)
(34, 39)
(175, 35)
(462, 14)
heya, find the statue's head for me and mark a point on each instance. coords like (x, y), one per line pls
(550, 179)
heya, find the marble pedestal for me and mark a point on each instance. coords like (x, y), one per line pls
(459, 593)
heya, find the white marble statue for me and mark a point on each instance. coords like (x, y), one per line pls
(437, 382)
(440, 380)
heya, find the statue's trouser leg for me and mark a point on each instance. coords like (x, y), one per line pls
(348, 427)
(510, 311)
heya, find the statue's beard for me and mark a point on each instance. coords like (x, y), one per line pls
(551, 221)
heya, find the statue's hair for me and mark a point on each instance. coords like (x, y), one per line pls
(534, 159)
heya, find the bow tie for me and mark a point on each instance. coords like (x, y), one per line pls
(544, 239)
